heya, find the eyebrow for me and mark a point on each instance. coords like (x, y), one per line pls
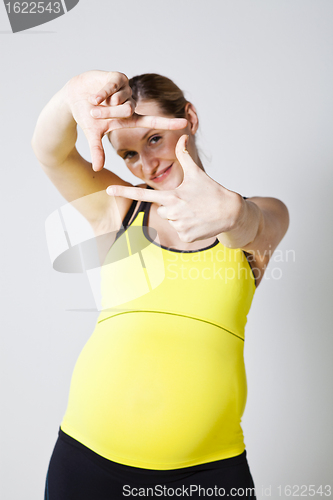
(142, 138)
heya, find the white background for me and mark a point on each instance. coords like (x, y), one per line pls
(260, 74)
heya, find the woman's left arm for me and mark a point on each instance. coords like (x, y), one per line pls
(258, 226)
(200, 208)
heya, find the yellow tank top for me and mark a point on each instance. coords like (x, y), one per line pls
(161, 382)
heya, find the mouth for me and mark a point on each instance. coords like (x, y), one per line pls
(163, 175)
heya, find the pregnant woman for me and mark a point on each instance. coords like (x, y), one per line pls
(158, 391)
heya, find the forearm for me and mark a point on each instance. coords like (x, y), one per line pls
(56, 131)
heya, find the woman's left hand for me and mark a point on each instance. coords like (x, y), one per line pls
(198, 208)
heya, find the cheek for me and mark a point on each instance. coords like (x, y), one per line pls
(132, 169)
(169, 146)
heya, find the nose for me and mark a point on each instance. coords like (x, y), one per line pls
(149, 163)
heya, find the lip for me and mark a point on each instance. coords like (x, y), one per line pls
(165, 172)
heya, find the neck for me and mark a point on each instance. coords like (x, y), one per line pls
(199, 163)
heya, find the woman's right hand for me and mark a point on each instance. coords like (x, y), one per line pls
(100, 102)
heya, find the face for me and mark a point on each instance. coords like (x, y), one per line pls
(150, 154)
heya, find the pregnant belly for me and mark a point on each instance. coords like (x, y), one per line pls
(158, 391)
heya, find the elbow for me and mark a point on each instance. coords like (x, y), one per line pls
(284, 218)
(34, 145)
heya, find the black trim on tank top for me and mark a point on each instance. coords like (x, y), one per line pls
(141, 208)
(144, 206)
(145, 232)
(129, 213)
(125, 221)
(247, 254)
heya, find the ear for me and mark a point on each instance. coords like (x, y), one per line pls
(192, 117)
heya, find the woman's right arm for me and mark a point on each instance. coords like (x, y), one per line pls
(55, 136)
(56, 132)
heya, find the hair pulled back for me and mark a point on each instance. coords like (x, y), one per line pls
(162, 90)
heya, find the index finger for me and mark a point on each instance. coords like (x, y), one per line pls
(157, 122)
(136, 193)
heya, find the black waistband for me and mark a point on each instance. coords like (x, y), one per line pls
(155, 474)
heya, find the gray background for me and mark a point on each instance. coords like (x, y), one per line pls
(260, 75)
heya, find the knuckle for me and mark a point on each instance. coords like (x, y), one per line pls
(103, 93)
(123, 77)
(178, 226)
(185, 237)
(113, 88)
(113, 75)
(116, 99)
(120, 78)
(172, 199)
(96, 147)
(173, 215)
(132, 104)
(112, 81)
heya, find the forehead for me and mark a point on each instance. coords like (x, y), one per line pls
(127, 137)
(150, 108)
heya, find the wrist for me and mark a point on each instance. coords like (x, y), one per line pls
(64, 103)
(233, 211)
(55, 132)
(251, 222)
(242, 221)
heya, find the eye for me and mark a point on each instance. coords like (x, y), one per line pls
(129, 155)
(154, 139)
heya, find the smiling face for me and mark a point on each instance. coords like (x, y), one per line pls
(150, 154)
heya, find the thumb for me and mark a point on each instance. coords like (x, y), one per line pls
(96, 149)
(183, 155)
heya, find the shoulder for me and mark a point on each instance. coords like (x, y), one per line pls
(276, 216)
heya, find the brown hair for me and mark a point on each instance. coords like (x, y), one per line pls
(162, 90)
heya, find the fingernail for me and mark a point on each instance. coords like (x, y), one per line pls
(96, 113)
(109, 191)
